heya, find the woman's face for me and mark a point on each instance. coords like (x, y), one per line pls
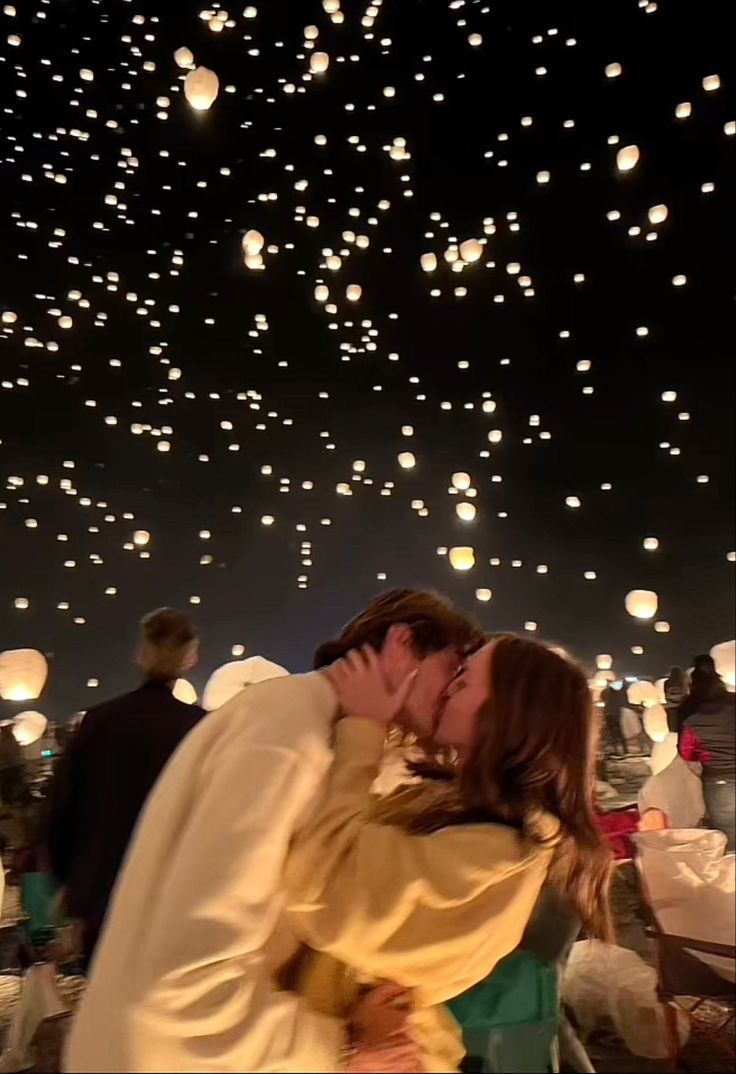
(466, 696)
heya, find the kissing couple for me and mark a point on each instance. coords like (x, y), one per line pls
(274, 914)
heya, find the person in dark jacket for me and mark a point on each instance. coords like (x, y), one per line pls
(676, 688)
(110, 767)
(708, 736)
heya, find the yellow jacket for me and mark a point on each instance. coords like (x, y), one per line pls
(433, 912)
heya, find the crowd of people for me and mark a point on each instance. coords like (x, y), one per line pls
(257, 888)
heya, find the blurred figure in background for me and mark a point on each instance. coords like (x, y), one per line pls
(110, 767)
(676, 688)
(708, 736)
(614, 699)
(12, 769)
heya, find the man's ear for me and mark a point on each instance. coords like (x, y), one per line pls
(400, 638)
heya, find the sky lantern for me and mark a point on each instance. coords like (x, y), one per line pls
(461, 481)
(407, 460)
(184, 57)
(23, 674)
(495, 436)
(724, 657)
(319, 62)
(642, 603)
(462, 558)
(627, 158)
(475, 40)
(253, 242)
(711, 83)
(604, 662)
(201, 87)
(141, 538)
(643, 693)
(662, 626)
(658, 214)
(311, 33)
(353, 292)
(466, 511)
(655, 723)
(331, 6)
(651, 544)
(86, 75)
(28, 727)
(321, 292)
(483, 595)
(471, 250)
(613, 70)
(184, 691)
(428, 262)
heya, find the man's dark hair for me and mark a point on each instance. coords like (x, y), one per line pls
(167, 637)
(435, 625)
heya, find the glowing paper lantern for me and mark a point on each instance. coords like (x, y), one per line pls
(184, 57)
(86, 75)
(22, 674)
(201, 87)
(627, 158)
(604, 662)
(495, 436)
(229, 680)
(466, 511)
(319, 62)
(475, 40)
(321, 292)
(655, 723)
(643, 693)
(658, 214)
(613, 70)
(483, 595)
(461, 481)
(471, 250)
(662, 627)
(28, 727)
(663, 754)
(711, 82)
(353, 292)
(407, 460)
(428, 262)
(724, 657)
(462, 558)
(331, 6)
(651, 544)
(184, 691)
(253, 242)
(642, 603)
(141, 538)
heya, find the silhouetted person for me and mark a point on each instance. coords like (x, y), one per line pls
(110, 766)
(12, 769)
(613, 706)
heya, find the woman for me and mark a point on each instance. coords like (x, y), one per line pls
(432, 886)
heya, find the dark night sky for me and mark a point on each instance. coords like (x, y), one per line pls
(249, 592)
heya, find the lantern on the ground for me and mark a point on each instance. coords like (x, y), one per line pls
(655, 723)
(28, 727)
(23, 674)
(724, 657)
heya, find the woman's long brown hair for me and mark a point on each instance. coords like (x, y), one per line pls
(535, 750)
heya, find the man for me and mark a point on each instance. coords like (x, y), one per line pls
(110, 767)
(184, 975)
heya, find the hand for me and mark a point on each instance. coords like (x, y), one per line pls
(362, 689)
(380, 1014)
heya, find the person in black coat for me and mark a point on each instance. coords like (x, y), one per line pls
(110, 766)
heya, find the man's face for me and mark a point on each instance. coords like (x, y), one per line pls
(434, 673)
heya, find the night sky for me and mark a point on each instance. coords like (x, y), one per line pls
(124, 210)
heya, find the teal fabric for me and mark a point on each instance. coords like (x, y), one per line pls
(510, 1020)
(521, 989)
(38, 895)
